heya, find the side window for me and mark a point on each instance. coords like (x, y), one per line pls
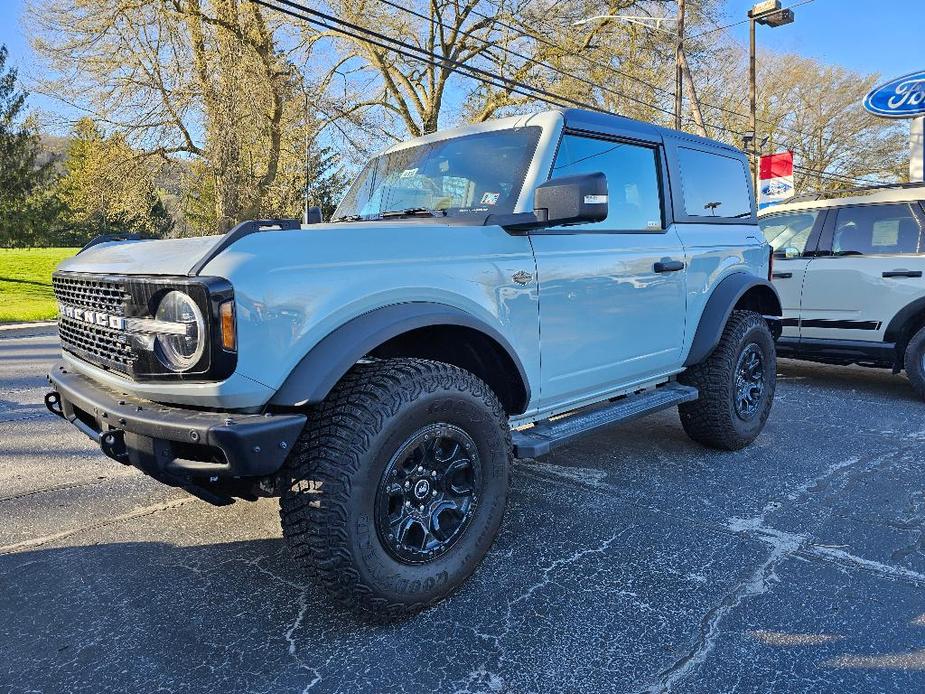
(876, 229)
(713, 185)
(635, 201)
(788, 233)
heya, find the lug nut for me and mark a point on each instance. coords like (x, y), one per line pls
(420, 468)
(407, 485)
(433, 473)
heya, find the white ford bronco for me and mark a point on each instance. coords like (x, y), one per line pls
(849, 274)
(481, 293)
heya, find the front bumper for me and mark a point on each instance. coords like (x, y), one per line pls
(177, 445)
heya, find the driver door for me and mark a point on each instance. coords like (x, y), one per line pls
(611, 294)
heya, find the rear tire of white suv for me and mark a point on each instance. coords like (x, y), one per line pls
(736, 384)
(914, 362)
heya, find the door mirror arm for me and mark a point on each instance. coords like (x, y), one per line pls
(561, 202)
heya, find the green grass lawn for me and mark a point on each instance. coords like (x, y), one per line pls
(25, 282)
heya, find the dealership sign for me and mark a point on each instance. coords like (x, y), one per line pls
(903, 97)
(775, 178)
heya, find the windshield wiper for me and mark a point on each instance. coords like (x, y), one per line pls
(413, 212)
(349, 218)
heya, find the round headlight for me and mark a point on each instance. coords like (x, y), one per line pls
(180, 352)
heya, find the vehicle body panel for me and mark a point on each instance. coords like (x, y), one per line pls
(591, 321)
(149, 257)
(830, 298)
(292, 288)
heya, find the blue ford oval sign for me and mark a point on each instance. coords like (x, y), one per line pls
(903, 97)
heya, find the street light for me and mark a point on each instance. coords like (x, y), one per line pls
(769, 13)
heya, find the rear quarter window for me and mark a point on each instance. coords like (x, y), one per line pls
(713, 185)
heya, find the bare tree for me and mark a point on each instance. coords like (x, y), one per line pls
(202, 79)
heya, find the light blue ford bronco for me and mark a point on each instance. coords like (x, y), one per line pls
(480, 294)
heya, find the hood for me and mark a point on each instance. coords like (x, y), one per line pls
(154, 257)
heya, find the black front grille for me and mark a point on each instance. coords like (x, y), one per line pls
(99, 294)
(98, 344)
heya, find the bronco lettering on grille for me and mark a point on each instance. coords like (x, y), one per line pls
(85, 315)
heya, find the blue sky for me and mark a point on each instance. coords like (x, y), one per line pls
(882, 36)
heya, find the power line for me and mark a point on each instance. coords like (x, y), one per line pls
(534, 61)
(407, 50)
(653, 87)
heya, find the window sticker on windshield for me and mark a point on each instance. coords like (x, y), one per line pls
(653, 225)
(408, 173)
(490, 198)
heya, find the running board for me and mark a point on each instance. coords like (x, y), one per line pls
(543, 436)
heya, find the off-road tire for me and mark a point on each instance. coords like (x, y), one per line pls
(914, 362)
(330, 483)
(712, 419)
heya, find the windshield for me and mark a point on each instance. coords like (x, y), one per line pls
(477, 173)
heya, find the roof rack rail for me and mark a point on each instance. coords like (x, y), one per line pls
(251, 226)
(844, 192)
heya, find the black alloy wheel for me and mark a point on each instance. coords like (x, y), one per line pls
(428, 493)
(749, 382)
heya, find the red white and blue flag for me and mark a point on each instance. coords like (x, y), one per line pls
(775, 178)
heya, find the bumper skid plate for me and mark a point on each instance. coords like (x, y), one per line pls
(177, 445)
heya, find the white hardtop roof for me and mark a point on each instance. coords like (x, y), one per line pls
(897, 194)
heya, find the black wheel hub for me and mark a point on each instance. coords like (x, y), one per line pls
(749, 381)
(428, 493)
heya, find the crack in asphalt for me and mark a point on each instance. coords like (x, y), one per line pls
(131, 515)
(54, 488)
(783, 544)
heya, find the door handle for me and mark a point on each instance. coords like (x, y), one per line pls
(902, 273)
(781, 275)
(669, 266)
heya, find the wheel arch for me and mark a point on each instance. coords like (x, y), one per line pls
(416, 329)
(907, 321)
(739, 290)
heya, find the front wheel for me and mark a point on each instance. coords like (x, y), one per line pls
(736, 384)
(398, 485)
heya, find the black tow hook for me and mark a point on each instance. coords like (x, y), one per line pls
(53, 403)
(112, 443)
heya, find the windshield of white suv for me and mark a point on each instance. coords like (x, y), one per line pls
(477, 173)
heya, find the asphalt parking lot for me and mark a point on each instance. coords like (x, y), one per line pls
(633, 561)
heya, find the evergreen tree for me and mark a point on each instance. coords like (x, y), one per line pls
(21, 176)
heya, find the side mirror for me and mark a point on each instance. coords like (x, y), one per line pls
(571, 200)
(313, 215)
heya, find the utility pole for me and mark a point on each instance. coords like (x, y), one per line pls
(752, 99)
(679, 67)
(307, 161)
(768, 13)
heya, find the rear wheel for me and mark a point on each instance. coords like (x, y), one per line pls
(914, 362)
(398, 485)
(736, 384)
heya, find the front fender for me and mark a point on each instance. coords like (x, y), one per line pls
(727, 294)
(328, 361)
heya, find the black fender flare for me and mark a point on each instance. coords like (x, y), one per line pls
(328, 361)
(894, 328)
(720, 306)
